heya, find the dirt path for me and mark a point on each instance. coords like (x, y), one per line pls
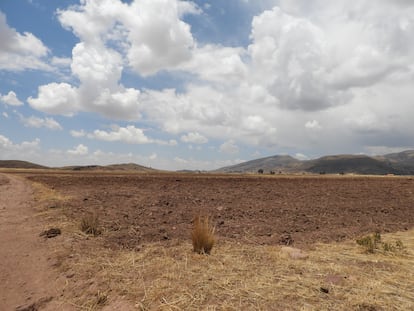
(27, 279)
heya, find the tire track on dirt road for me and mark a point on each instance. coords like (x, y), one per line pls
(28, 280)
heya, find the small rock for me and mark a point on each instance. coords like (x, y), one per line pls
(51, 233)
(324, 290)
(335, 279)
(286, 239)
(294, 253)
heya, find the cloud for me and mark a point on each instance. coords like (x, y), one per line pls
(129, 134)
(308, 64)
(5, 114)
(56, 98)
(20, 51)
(25, 150)
(37, 122)
(79, 150)
(194, 138)
(10, 99)
(229, 147)
(217, 64)
(61, 61)
(159, 39)
(313, 125)
(75, 133)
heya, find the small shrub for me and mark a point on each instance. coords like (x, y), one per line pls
(203, 235)
(373, 243)
(369, 243)
(90, 224)
(101, 298)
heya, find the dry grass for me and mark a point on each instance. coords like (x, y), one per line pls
(90, 224)
(236, 276)
(203, 235)
(250, 277)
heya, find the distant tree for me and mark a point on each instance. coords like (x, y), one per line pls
(272, 172)
(260, 171)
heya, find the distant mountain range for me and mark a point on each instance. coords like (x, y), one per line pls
(395, 163)
(401, 163)
(113, 167)
(20, 164)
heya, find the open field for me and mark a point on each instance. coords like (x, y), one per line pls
(136, 209)
(143, 258)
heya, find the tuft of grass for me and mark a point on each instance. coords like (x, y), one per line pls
(90, 224)
(373, 243)
(370, 242)
(203, 235)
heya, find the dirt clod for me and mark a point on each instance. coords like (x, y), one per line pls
(51, 233)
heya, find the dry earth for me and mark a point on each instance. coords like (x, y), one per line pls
(28, 280)
(144, 212)
(136, 209)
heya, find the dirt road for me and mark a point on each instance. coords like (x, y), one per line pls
(27, 279)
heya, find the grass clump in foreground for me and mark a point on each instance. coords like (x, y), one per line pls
(90, 224)
(373, 243)
(203, 235)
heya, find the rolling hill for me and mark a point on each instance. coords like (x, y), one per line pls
(273, 163)
(20, 164)
(396, 163)
(113, 167)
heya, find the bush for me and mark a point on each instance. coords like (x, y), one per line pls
(90, 224)
(370, 242)
(373, 243)
(203, 235)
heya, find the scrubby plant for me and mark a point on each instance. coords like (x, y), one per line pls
(371, 243)
(203, 235)
(90, 224)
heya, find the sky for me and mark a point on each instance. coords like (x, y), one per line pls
(176, 85)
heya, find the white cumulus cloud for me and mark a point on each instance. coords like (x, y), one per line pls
(37, 122)
(79, 150)
(129, 134)
(23, 151)
(75, 133)
(20, 51)
(308, 63)
(10, 99)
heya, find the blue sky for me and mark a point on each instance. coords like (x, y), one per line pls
(199, 85)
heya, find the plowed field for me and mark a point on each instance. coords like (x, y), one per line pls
(138, 208)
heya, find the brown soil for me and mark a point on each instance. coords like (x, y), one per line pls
(28, 280)
(135, 209)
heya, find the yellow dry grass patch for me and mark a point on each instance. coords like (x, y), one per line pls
(251, 277)
(49, 204)
(47, 197)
